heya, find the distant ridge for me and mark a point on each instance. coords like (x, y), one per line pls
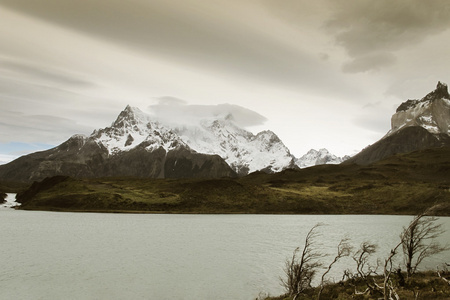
(320, 157)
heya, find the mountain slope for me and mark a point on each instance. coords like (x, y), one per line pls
(401, 184)
(416, 125)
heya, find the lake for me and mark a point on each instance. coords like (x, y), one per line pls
(51, 255)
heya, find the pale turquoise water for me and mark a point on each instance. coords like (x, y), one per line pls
(49, 255)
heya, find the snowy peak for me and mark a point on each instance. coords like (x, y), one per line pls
(134, 128)
(441, 92)
(432, 112)
(241, 149)
(321, 157)
(131, 117)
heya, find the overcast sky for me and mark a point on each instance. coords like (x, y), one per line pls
(320, 74)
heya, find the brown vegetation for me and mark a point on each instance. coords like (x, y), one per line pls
(366, 282)
(402, 184)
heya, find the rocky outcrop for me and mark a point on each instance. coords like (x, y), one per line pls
(416, 125)
(3, 198)
(431, 112)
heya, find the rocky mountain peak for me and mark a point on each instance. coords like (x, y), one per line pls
(269, 136)
(441, 92)
(432, 112)
(131, 116)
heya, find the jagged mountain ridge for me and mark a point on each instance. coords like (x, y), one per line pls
(319, 157)
(416, 125)
(134, 128)
(241, 149)
(432, 112)
(244, 151)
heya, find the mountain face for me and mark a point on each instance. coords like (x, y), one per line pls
(132, 146)
(241, 149)
(416, 125)
(321, 157)
(431, 112)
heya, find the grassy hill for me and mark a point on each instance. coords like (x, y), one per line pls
(401, 184)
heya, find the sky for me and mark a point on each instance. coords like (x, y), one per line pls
(320, 74)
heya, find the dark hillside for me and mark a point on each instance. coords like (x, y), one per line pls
(400, 184)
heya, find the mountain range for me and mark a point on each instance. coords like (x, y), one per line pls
(135, 144)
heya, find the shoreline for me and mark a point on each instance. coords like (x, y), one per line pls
(118, 211)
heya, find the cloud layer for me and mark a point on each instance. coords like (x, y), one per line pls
(371, 31)
(171, 110)
(197, 34)
(307, 67)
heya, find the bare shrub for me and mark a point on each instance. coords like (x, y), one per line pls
(302, 267)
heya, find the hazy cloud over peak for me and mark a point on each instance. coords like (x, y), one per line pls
(308, 66)
(176, 111)
(169, 100)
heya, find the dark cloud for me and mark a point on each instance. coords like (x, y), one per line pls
(367, 26)
(369, 31)
(189, 32)
(40, 72)
(175, 111)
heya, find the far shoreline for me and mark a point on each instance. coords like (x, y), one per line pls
(144, 212)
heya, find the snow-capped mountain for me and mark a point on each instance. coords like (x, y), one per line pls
(136, 145)
(132, 146)
(134, 128)
(416, 125)
(431, 112)
(241, 149)
(321, 157)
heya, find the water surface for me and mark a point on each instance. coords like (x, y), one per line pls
(50, 255)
